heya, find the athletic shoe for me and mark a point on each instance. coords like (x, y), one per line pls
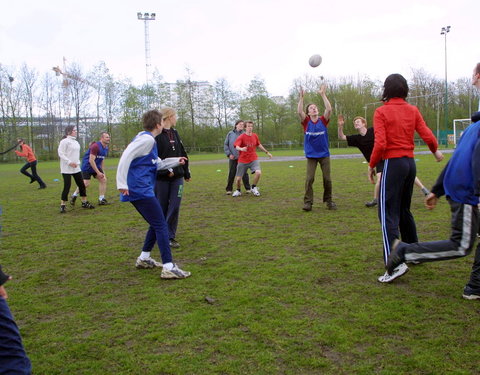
(248, 191)
(73, 199)
(236, 193)
(32, 180)
(307, 207)
(372, 203)
(174, 243)
(102, 202)
(395, 258)
(174, 273)
(331, 205)
(255, 191)
(401, 270)
(87, 204)
(63, 209)
(470, 293)
(147, 263)
(228, 192)
(42, 187)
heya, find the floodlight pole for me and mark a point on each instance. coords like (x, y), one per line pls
(445, 31)
(145, 17)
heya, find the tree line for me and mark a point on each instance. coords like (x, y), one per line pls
(38, 106)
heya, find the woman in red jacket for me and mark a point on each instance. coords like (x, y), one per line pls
(28, 154)
(395, 124)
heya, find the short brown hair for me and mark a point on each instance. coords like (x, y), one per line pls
(360, 118)
(151, 119)
(477, 69)
(248, 122)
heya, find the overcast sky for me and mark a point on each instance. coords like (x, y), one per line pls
(241, 39)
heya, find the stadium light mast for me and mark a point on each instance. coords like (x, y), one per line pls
(145, 17)
(445, 31)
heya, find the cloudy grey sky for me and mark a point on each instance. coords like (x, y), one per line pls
(241, 39)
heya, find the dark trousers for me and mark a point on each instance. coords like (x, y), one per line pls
(327, 180)
(34, 176)
(465, 223)
(232, 170)
(13, 359)
(67, 183)
(151, 211)
(396, 188)
(169, 194)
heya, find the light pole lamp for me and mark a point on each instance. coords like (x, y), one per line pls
(146, 17)
(445, 31)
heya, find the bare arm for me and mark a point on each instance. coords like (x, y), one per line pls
(301, 113)
(341, 123)
(326, 102)
(260, 146)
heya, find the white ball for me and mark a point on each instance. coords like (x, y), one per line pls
(315, 61)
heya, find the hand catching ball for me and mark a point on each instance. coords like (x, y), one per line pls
(315, 61)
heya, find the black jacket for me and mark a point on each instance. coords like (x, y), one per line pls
(170, 145)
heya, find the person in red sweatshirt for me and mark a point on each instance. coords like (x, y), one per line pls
(395, 124)
(28, 154)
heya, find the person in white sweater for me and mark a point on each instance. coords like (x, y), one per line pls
(69, 153)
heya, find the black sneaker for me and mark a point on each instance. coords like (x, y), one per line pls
(42, 187)
(331, 205)
(307, 207)
(102, 202)
(73, 199)
(87, 204)
(174, 243)
(395, 258)
(470, 293)
(63, 209)
(373, 203)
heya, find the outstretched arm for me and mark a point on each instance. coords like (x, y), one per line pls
(326, 102)
(300, 111)
(340, 123)
(260, 146)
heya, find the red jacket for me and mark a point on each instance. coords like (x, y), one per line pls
(27, 153)
(395, 124)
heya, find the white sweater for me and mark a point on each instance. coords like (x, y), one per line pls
(69, 152)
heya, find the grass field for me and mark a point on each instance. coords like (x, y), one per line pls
(289, 292)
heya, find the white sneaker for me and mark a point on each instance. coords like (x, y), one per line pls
(236, 193)
(147, 263)
(174, 273)
(401, 270)
(248, 191)
(255, 192)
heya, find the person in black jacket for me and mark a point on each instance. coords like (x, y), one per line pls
(169, 184)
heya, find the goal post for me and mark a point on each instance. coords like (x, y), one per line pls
(459, 125)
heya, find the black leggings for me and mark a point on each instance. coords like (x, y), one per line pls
(67, 182)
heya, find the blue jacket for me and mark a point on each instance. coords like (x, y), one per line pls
(460, 179)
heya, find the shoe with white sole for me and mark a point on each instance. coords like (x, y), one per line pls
(236, 193)
(147, 263)
(255, 191)
(401, 270)
(174, 273)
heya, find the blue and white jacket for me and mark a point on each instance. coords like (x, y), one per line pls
(138, 167)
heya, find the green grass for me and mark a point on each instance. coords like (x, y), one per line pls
(294, 292)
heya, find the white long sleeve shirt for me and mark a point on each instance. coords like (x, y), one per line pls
(69, 152)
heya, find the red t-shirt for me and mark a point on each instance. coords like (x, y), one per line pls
(251, 142)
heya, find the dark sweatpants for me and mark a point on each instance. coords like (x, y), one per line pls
(465, 223)
(13, 359)
(34, 176)
(396, 188)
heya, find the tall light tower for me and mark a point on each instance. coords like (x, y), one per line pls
(145, 17)
(445, 31)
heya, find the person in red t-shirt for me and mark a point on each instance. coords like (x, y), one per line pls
(28, 154)
(247, 144)
(395, 124)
